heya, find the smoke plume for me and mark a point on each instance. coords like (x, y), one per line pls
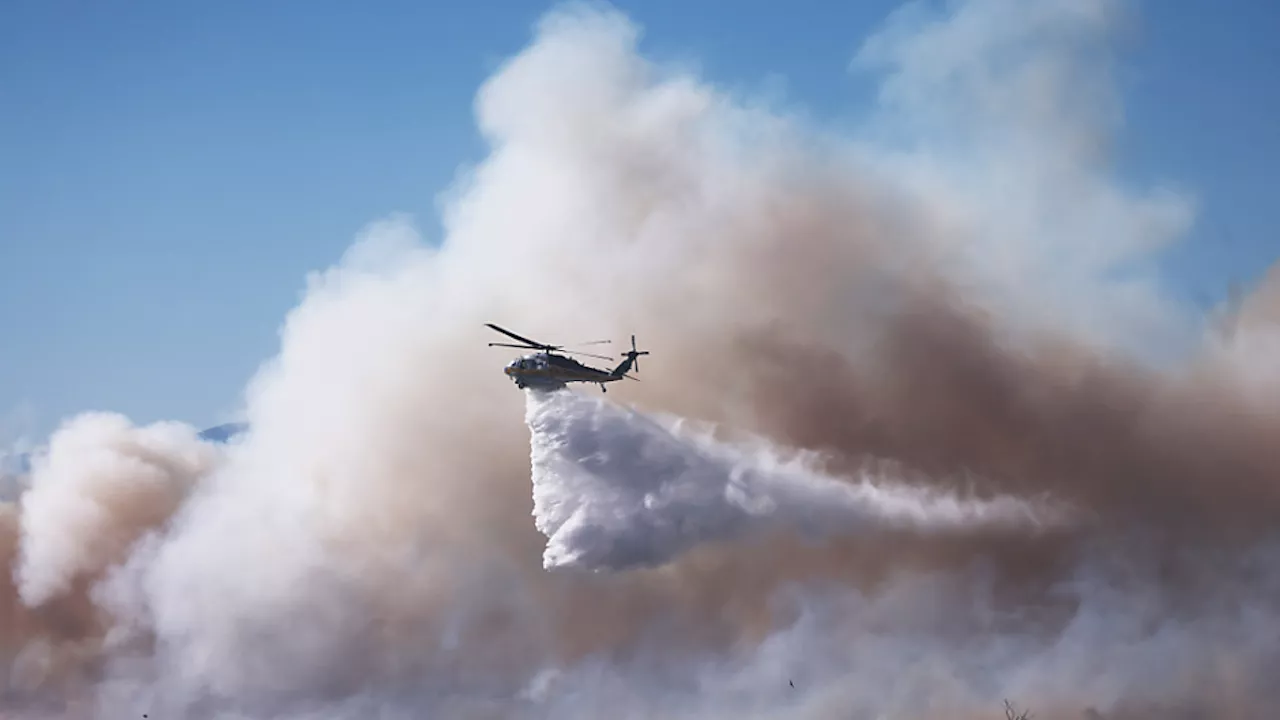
(922, 428)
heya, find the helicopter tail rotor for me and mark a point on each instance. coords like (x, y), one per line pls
(634, 354)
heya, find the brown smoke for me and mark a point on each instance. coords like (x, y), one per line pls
(101, 485)
(369, 548)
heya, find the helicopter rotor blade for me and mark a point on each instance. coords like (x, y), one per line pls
(585, 354)
(524, 340)
(527, 343)
(551, 349)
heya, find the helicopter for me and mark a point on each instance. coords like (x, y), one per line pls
(547, 370)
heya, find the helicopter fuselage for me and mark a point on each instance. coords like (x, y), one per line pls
(548, 371)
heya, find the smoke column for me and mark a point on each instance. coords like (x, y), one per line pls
(921, 430)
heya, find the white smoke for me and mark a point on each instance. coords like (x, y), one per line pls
(98, 487)
(369, 550)
(616, 489)
(1001, 114)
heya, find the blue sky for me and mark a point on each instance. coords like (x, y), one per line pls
(170, 172)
